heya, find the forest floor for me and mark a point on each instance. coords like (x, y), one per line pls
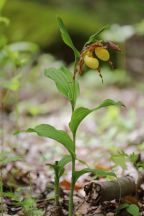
(101, 134)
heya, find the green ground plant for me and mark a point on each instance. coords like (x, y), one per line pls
(58, 167)
(14, 55)
(132, 209)
(68, 85)
(4, 159)
(10, 84)
(28, 204)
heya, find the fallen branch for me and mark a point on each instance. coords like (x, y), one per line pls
(97, 192)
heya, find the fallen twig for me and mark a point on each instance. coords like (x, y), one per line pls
(97, 192)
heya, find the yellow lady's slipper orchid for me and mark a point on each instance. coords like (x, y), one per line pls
(102, 53)
(90, 61)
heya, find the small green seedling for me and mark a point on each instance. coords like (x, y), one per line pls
(68, 85)
(121, 159)
(58, 167)
(4, 159)
(27, 204)
(132, 209)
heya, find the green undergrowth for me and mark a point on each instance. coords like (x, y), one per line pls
(38, 23)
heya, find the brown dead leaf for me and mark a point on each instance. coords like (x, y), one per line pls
(130, 199)
(67, 185)
(101, 166)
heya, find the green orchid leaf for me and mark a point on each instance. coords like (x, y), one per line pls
(99, 172)
(65, 160)
(63, 79)
(67, 40)
(80, 113)
(59, 167)
(133, 210)
(46, 130)
(93, 38)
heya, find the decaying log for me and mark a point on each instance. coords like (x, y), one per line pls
(96, 192)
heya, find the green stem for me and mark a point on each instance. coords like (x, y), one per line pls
(72, 182)
(30, 191)
(72, 188)
(30, 184)
(73, 163)
(56, 185)
(73, 100)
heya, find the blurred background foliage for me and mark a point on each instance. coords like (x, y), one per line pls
(35, 21)
(34, 38)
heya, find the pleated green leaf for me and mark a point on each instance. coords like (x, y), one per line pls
(59, 167)
(67, 40)
(99, 172)
(93, 38)
(46, 130)
(80, 113)
(63, 79)
(65, 160)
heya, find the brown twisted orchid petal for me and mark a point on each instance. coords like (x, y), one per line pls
(111, 64)
(113, 46)
(99, 70)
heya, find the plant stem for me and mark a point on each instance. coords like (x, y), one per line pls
(30, 191)
(56, 185)
(73, 163)
(30, 184)
(72, 182)
(72, 188)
